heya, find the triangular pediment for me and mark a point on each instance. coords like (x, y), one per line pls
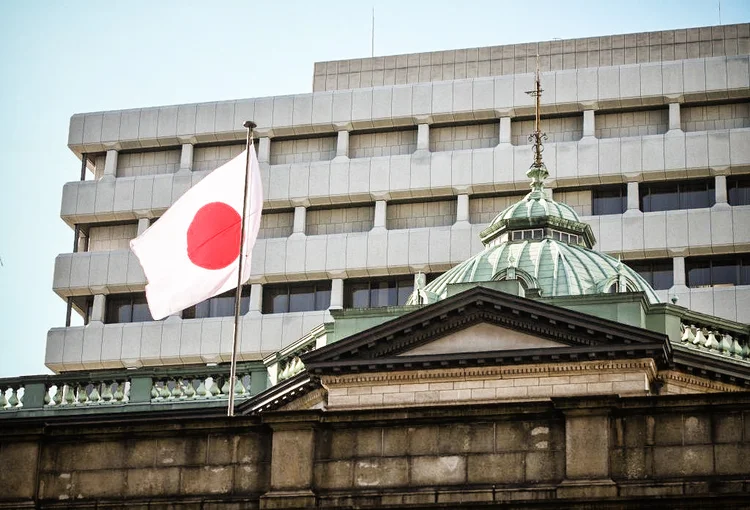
(484, 326)
(482, 337)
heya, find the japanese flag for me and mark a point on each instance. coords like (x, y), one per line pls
(192, 252)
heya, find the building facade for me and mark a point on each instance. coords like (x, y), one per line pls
(419, 329)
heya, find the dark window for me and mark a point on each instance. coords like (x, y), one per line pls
(219, 306)
(377, 292)
(708, 271)
(669, 196)
(296, 297)
(609, 200)
(658, 273)
(739, 190)
(127, 308)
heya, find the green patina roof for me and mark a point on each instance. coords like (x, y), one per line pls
(547, 266)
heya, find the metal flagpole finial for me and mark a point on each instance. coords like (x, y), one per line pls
(537, 172)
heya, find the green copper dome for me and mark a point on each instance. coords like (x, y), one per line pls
(545, 245)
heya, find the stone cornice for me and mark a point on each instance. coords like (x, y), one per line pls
(497, 372)
(696, 382)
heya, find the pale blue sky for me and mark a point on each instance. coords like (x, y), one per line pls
(60, 58)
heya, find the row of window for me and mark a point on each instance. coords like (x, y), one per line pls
(711, 271)
(394, 291)
(669, 196)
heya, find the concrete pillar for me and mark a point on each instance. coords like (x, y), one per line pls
(256, 299)
(504, 130)
(678, 269)
(462, 208)
(674, 117)
(186, 158)
(423, 137)
(110, 164)
(380, 214)
(300, 215)
(721, 190)
(589, 123)
(264, 149)
(98, 309)
(337, 294)
(143, 224)
(633, 197)
(342, 144)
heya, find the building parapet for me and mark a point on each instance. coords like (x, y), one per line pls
(571, 90)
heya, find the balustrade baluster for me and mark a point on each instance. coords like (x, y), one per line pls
(58, 396)
(201, 391)
(119, 394)
(95, 396)
(47, 398)
(177, 389)
(70, 397)
(239, 388)
(189, 389)
(13, 400)
(165, 393)
(81, 396)
(107, 392)
(3, 400)
(215, 391)
(225, 387)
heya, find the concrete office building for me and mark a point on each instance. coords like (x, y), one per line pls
(394, 165)
(420, 330)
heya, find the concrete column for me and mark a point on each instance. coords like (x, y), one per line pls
(300, 215)
(721, 190)
(264, 149)
(504, 130)
(674, 117)
(337, 294)
(256, 299)
(110, 164)
(186, 158)
(633, 197)
(462, 209)
(342, 144)
(380, 214)
(423, 137)
(679, 275)
(143, 224)
(98, 309)
(589, 123)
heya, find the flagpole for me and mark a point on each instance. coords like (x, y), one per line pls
(249, 125)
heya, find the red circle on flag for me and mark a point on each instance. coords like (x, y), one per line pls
(213, 237)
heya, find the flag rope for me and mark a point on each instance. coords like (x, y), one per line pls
(249, 125)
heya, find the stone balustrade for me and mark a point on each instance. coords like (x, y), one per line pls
(136, 389)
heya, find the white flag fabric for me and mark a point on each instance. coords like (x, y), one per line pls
(192, 252)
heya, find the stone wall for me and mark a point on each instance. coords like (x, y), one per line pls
(638, 123)
(210, 158)
(384, 143)
(130, 164)
(610, 451)
(421, 214)
(707, 118)
(521, 58)
(475, 136)
(112, 237)
(276, 224)
(339, 220)
(561, 129)
(303, 150)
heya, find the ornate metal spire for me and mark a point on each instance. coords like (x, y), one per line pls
(537, 172)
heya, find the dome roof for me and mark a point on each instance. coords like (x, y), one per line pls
(543, 244)
(548, 266)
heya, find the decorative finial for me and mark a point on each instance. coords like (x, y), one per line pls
(537, 172)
